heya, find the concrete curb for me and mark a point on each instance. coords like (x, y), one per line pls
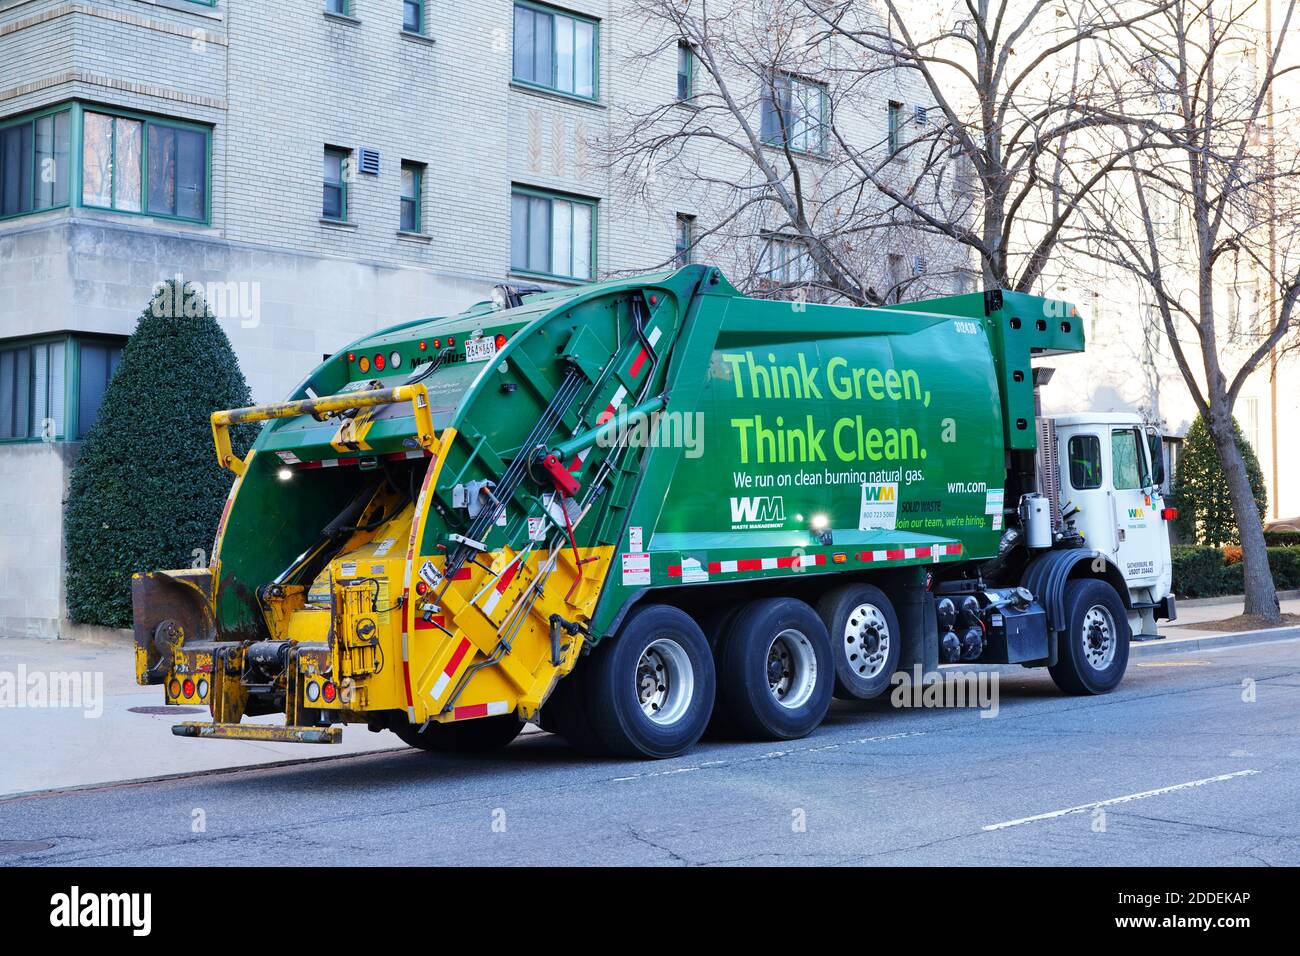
(1177, 645)
(1231, 599)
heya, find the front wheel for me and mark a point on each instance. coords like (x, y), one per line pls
(1092, 652)
(650, 689)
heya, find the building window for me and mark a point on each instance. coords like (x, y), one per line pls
(35, 166)
(685, 72)
(335, 202)
(338, 7)
(552, 235)
(895, 127)
(785, 261)
(685, 239)
(96, 364)
(134, 164)
(796, 107)
(1243, 308)
(555, 50)
(34, 386)
(413, 16)
(412, 190)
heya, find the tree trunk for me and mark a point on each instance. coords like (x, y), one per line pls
(1261, 594)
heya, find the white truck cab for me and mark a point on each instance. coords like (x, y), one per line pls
(1109, 472)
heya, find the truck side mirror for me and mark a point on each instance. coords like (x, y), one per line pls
(1156, 448)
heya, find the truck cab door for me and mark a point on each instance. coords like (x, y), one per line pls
(1141, 539)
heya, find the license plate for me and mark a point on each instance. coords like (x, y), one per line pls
(480, 349)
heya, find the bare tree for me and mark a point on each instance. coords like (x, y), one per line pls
(797, 128)
(1202, 83)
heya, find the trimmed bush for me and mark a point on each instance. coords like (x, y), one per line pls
(1282, 539)
(1200, 492)
(1202, 571)
(146, 493)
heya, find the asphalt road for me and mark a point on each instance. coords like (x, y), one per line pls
(1177, 767)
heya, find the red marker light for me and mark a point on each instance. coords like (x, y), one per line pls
(501, 340)
(1169, 514)
(654, 300)
(451, 342)
(421, 588)
(189, 687)
(351, 356)
(330, 692)
(437, 343)
(423, 346)
(379, 362)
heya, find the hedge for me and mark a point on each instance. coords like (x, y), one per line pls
(1202, 571)
(1282, 539)
(147, 492)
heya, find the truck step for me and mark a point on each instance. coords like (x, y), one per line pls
(271, 732)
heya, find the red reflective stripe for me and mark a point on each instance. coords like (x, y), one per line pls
(422, 625)
(470, 710)
(606, 415)
(922, 552)
(406, 676)
(895, 554)
(456, 658)
(674, 570)
(641, 359)
(462, 575)
(507, 577)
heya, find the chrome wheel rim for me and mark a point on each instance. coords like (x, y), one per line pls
(791, 668)
(1099, 637)
(866, 641)
(665, 681)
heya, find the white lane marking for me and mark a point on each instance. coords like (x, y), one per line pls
(770, 755)
(1084, 807)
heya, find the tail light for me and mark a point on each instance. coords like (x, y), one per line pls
(364, 364)
(202, 688)
(501, 340)
(174, 688)
(1169, 514)
(189, 687)
(329, 692)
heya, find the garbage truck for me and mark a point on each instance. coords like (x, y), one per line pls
(640, 509)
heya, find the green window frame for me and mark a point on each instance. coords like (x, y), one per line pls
(91, 156)
(413, 16)
(411, 216)
(556, 50)
(685, 72)
(334, 194)
(553, 235)
(802, 104)
(145, 165)
(684, 244)
(36, 162)
(895, 123)
(60, 379)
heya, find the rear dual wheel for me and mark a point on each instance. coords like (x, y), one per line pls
(480, 735)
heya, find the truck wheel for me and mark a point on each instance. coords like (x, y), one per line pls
(775, 674)
(865, 639)
(462, 736)
(651, 687)
(566, 711)
(1092, 653)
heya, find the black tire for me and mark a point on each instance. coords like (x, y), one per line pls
(715, 622)
(1092, 608)
(750, 658)
(479, 735)
(566, 711)
(865, 639)
(659, 659)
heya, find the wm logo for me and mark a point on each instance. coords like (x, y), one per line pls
(878, 492)
(1135, 512)
(758, 509)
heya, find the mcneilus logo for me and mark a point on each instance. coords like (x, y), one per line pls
(76, 909)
